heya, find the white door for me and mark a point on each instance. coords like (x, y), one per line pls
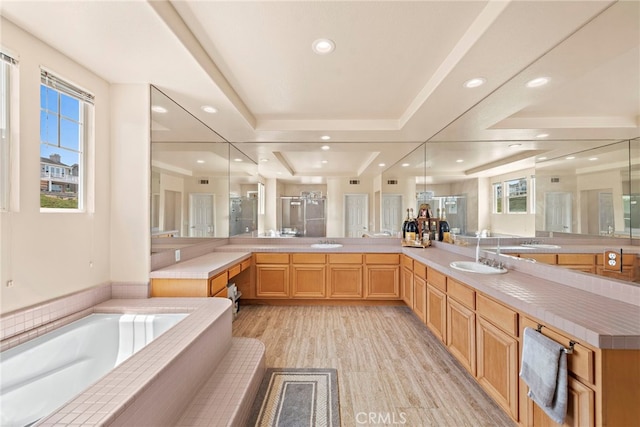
(356, 214)
(557, 211)
(201, 215)
(391, 216)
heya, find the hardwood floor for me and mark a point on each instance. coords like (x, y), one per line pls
(391, 369)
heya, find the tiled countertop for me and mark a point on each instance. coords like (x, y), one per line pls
(202, 267)
(592, 318)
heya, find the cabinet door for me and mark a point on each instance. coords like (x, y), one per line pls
(308, 281)
(383, 281)
(437, 312)
(580, 409)
(420, 297)
(407, 287)
(461, 334)
(345, 281)
(272, 281)
(497, 368)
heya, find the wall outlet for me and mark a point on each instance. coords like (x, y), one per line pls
(177, 255)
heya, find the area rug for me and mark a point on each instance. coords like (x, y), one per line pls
(291, 397)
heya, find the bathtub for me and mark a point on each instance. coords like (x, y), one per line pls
(41, 375)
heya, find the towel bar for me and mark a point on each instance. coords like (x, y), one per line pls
(566, 350)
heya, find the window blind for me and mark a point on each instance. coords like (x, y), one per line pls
(67, 88)
(7, 58)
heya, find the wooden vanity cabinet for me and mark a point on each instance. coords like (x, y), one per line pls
(420, 290)
(436, 317)
(308, 275)
(578, 262)
(497, 352)
(272, 275)
(581, 400)
(345, 277)
(461, 324)
(407, 280)
(382, 276)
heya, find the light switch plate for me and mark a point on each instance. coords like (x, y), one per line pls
(177, 255)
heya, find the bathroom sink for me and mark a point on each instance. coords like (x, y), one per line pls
(539, 246)
(476, 267)
(326, 245)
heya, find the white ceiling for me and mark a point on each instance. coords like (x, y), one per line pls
(394, 80)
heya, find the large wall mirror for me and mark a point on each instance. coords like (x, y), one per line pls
(245, 197)
(189, 176)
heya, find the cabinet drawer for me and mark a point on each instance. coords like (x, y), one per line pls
(235, 270)
(382, 258)
(272, 258)
(501, 316)
(217, 283)
(437, 279)
(345, 258)
(407, 262)
(420, 270)
(580, 362)
(573, 259)
(245, 264)
(461, 293)
(545, 258)
(308, 258)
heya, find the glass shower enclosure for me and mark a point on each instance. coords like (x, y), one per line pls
(303, 216)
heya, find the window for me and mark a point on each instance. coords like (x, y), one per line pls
(65, 114)
(517, 195)
(497, 197)
(6, 65)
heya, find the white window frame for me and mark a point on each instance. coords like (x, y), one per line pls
(498, 208)
(85, 120)
(7, 122)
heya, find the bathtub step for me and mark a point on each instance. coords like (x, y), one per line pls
(227, 396)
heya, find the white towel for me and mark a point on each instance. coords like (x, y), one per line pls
(544, 369)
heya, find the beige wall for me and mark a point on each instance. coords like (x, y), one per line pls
(47, 255)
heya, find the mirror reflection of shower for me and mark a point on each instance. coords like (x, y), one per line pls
(303, 216)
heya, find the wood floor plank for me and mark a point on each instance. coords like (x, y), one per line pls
(391, 369)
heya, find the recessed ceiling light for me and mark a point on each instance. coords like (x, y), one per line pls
(540, 81)
(264, 160)
(570, 157)
(325, 147)
(237, 160)
(199, 161)
(475, 82)
(324, 162)
(404, 165)
(593, 158)
(542, 158)
(323, 46)
(381, 164)
(459, 161)
(158, 109)
(514, 145)
(209, 109)
(542, 135)
(325, 137)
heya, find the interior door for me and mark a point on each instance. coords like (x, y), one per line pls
(391, 216)
(356, 214)
(201, 215)
(557, 211)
